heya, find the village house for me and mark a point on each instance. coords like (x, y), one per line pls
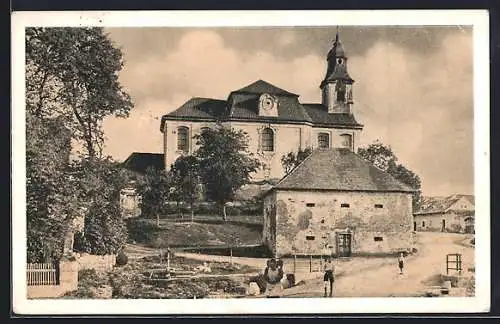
(336, 203)
(275, 120)
(453, 213)
(138, 163)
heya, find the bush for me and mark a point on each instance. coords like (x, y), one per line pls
(121, 259)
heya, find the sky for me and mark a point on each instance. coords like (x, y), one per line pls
(413, 86)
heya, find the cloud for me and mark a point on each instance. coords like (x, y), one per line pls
(419, 103)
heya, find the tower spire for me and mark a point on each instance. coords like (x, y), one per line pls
(337, 84)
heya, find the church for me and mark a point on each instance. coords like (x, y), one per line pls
(276, 121)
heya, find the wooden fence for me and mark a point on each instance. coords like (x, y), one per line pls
(41, 274)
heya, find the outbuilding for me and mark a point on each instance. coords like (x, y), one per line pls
(336, 203)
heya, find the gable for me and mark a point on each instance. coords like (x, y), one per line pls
(462, 204)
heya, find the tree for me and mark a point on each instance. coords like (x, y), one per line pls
(185, 172)
(225, 163)
(384, 158)
(50, 191)
(101, 182)
(291, 160)
(73, 73)
(155, 189)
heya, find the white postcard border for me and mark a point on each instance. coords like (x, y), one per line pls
(478, 18)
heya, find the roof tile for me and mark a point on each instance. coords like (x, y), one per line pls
(340, 169)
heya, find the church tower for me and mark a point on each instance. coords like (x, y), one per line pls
(336, 87)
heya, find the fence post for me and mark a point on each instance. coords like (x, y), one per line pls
(294, 262)
(168, 260)
(231, 255)
(310, 263)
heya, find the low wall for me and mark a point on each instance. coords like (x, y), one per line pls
(68, 281)
(97, 262)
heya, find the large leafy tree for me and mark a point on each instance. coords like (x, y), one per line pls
(186, 177)
(100, 184)
(291, 160)
(50, 191)
(156, 188)
(71, 78)
(384, 158)
(225, 163)
(73, 73)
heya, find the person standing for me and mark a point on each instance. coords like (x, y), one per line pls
(401, 262)
(329, 275)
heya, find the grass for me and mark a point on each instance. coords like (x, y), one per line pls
(205, 231)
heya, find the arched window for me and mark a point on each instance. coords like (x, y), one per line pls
(346, 140)
(267, 140)
(182, 139)
(323, 140)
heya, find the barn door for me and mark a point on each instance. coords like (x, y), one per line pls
(344, 242)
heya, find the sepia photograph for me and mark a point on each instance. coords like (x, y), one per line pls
(253, 162)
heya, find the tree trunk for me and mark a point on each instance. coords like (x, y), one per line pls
(179, 212)
(224, 215)
(157, 220)
(192, 212)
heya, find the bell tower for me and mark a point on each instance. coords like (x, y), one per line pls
(336, 87)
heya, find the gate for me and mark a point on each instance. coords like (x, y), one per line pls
(454, 262)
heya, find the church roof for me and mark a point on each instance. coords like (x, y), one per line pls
(243, 105)
(341, 170)
(261, 86)
(320, 116)
(289, 109)
(139, 162)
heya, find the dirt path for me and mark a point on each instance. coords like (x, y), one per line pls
(386, 281)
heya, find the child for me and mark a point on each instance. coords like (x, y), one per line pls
(273, 274)
(401, 263)
(328, 277)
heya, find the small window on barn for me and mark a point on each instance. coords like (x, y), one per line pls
(310, 237)
(344, 205)
(378, 238)
(423, 223)
(182, 139)
(323, 221)
(379, 206)
(310, 204)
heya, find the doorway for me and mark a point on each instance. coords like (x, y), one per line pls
(443, 225)
(344, 248)
(414, 226)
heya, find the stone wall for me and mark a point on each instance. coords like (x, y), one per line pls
(308, 222)
(97, 262)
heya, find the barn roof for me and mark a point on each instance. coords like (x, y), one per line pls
(342, 170)
(139, 162)
(432, 205)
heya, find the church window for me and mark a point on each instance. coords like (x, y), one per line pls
(182, 139)
(346, 140)
(323, 140)
(267, 140)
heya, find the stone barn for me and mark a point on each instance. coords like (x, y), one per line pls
(336, 203)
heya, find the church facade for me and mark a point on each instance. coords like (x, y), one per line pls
(276, 121)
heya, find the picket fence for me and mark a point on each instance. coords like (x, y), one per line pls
(41, 274)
